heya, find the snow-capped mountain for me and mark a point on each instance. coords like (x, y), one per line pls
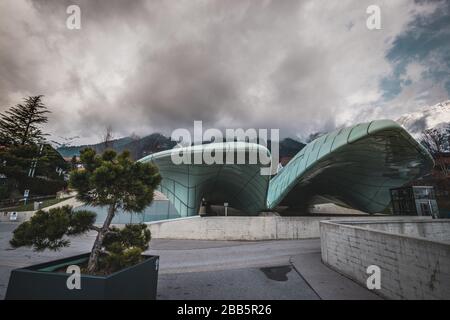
(437, 116)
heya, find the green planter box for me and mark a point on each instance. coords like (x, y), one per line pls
(41, 282)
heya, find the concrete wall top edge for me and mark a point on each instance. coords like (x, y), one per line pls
(354, 225)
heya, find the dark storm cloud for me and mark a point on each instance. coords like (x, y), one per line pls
(145, 66)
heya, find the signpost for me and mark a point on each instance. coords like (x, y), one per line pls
(226, 208)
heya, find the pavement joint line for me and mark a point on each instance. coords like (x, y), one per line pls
(304, 279)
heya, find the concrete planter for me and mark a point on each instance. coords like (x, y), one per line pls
(41, 282)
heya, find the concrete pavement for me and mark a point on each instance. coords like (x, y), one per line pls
(269, 283)
(196, 269)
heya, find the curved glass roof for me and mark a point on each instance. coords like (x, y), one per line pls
(185, 185)
(357, 166)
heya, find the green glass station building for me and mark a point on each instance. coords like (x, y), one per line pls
(356, 166)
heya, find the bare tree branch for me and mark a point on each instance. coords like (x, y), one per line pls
(436, 141)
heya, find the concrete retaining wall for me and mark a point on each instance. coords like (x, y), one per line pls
(237, 228)
(242, 228)
(411, 267)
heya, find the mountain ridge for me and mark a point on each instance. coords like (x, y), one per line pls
(428, 117)
(434, 118)
(156, 142)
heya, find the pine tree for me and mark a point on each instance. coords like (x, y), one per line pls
(108, 180)
(116, 182)
(20, 124)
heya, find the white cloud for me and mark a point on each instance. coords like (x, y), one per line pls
(301, 66)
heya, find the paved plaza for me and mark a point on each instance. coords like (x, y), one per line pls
(194, 269)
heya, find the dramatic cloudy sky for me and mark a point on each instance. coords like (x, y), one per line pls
(146, 66)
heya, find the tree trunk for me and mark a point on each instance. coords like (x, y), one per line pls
(25, 135)
(96, 248)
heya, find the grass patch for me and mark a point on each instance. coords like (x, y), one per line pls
(30, 206)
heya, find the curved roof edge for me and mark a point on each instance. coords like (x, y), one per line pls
(200, 148)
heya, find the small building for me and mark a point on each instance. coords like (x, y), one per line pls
(414, 201)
